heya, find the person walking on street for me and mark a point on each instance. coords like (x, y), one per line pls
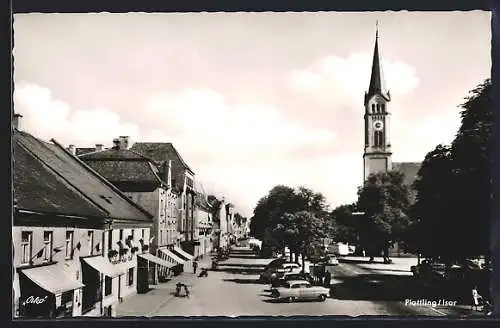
(476, 298)
(328, 278)
(195, 266)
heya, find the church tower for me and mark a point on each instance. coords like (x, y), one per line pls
(377, 153)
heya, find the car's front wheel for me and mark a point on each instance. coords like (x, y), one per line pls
(322, 297)
(291, 299)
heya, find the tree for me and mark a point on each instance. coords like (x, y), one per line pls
(385, 199)
(434, 200)
(471, 153)
(453, 187)
(343, 225)
(273, 219)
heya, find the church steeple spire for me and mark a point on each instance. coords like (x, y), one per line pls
(377, 82)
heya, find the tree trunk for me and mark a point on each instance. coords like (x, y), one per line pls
(291, 256)
(303, 262)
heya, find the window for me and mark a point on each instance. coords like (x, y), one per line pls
(91, 242)
(373, 108)
(130, 276)
(121, 234)
(379, 139)
(26, 246)
(108, 286)
(69, 245)
(383, 108)
(378, 108)
(47, 244)
(132, 233)
(110, 239)
(143, 234)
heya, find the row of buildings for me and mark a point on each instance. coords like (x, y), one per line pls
(94, 225)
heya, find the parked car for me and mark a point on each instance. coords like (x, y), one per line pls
(295, 290)
(289, 276)
(331, 259)
(277, 268)
(429, 270)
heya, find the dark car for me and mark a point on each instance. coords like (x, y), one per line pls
(429, 270)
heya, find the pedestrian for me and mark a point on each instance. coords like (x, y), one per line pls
(328, 278)
(195, 266)
(476, 298)
(364, 253)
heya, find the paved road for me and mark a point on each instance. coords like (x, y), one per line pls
(359, 289)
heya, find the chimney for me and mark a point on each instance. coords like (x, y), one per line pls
(116, 143)
(99, 147)
(124, 142)
(15, 121)
(72, 149)
(168, 173)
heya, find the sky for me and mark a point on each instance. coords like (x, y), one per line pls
(250, 100)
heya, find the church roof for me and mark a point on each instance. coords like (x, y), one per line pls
(377, 81)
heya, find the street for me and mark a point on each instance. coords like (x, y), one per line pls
(233, 290)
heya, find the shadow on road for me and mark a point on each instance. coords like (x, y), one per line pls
(379, 287)
(280, 300)
(245, 271)
(391, 270)
(360, 261)
(242, 256)
(244, 281)
(242, 265)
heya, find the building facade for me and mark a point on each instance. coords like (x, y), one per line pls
(151, 187)
(64, 213)
(183, 180)
(203, 223)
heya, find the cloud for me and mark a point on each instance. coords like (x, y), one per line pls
(340, 81)
(51, 118)
(240, 149)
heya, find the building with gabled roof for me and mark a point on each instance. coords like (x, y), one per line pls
(151, 187)
(68, 223)
(183, 178)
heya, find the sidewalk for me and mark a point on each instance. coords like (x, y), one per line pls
(149, 303)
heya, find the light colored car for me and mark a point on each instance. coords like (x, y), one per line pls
(295, 290)
(332, 260)
(273, 271)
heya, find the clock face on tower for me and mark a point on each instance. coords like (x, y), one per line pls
(378, 125)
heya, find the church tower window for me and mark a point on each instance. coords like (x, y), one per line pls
(373, 108)
(383, 108)
(378, 108)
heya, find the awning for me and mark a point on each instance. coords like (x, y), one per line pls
(52, 278)
(171, 257)
(157, 260)
(103, 265)
(183, 253)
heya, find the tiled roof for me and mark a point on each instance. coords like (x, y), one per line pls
(125, 171)
(409, 169)
(37, 188)
(113, 154)
(124, 168)
(161, 152)
(90, 184)
(81, 151)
